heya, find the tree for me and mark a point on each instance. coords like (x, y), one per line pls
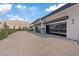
(5, 25)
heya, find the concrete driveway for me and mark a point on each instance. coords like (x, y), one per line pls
(28, 44)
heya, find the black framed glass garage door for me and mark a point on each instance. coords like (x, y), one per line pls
(57, 28)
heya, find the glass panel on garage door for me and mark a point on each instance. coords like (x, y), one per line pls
(57, 28)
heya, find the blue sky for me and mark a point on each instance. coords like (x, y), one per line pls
(26, 11)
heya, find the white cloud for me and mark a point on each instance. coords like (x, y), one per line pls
(60, 5)
(20, 6)
(51, 8)
(17, 18)
(54, 7)
(33, 8)
(9, 15)
(27, 19)
(5, 8)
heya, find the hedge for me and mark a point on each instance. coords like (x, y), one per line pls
(5, 32)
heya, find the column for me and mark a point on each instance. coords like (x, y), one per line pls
(34, 29)
(43, 28)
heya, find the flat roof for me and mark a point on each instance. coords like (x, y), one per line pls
(56, 11)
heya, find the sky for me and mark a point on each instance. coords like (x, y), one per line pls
(26, 11)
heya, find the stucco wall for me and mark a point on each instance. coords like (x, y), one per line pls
(73, 23)
(73, 13)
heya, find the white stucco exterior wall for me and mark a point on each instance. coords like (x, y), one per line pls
(72, 29)
(73, 23)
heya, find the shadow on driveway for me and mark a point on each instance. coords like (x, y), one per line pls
(48, 35)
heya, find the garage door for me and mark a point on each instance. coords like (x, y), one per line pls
(58, 28)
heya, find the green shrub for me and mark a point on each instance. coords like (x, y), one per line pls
(10, 31)
(3, 34)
